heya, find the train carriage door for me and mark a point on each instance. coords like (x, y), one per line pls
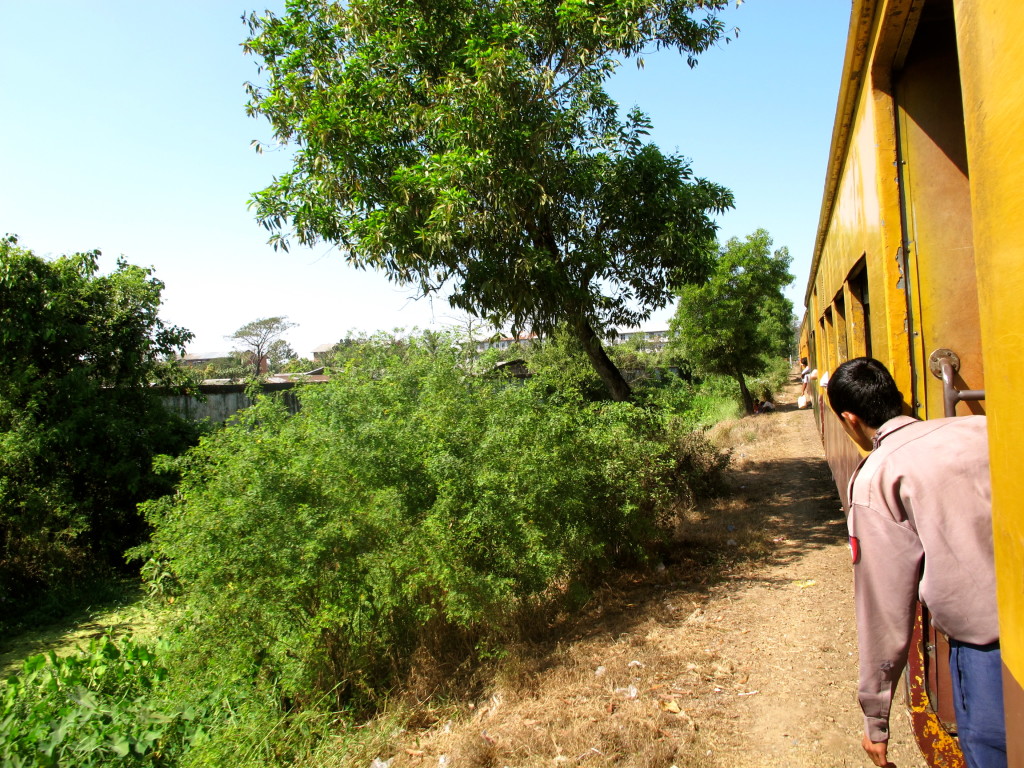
(942, 296)
(936, 207)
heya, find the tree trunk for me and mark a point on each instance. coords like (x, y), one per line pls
(748, 401)
(610, 375)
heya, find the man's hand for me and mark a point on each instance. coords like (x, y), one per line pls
(876, 751)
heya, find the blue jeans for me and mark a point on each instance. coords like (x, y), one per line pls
(978, 701)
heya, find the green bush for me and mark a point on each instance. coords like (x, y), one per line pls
(772, 378)
(561, 364)
(311, 555)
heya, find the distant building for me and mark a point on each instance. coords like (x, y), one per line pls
(654, 339)
(224, 360)
(504, 342)
(324, 351)
(201, 360)
(515, 369)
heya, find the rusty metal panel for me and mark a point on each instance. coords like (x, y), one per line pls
(939, 747)
(842, 455)
(1013, 700)
(938, 680)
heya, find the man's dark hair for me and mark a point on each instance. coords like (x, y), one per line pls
(864, 387)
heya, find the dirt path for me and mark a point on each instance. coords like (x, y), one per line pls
(789, 621)
(754, 667)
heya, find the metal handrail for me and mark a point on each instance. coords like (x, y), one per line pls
(944, 364)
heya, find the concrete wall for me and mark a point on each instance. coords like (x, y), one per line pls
(221, 401)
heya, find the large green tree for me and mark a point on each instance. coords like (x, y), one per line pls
(469, 147)
(261, 339)
(79, 420)
(733, 323)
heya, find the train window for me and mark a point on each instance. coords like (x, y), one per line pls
(839, 320)
(827, 339)
(858, 311)
(812, 328)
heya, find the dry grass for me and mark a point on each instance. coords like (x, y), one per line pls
(736, 433)
(588, 704)
(732, 528)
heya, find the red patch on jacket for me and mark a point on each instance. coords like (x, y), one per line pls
(855, 549)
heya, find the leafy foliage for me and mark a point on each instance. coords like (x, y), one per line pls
(280, 354)
(471, 147)
(102, 706)
(561, 364)
(407, 500)
(79, 422)
(299, 365)
(659, 382)
(737, 321)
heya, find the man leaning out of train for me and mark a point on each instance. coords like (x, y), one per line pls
(920, 527)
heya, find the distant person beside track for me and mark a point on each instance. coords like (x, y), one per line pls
(806, 374)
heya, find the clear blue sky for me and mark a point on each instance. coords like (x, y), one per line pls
(123, 128)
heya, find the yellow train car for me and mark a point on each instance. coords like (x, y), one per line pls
(919, 262)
